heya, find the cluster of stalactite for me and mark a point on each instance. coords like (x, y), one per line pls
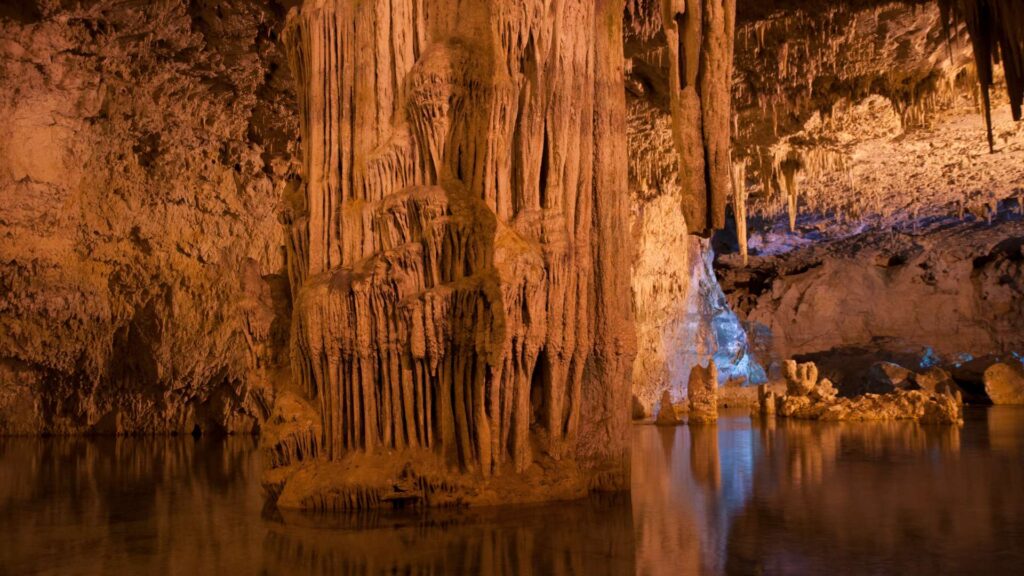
(459, 255)
(814, 57)
(700, 35)
(996, 28)
(794, 64)
(681, 54)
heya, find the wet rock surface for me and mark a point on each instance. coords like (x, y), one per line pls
(667, 415)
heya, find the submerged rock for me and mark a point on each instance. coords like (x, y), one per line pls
(1004, 384)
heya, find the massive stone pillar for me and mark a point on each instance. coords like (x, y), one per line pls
(459, 255)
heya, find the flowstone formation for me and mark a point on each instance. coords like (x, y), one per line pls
(809, 398)
(459, 257)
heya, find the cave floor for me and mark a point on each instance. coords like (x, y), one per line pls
(745, 496)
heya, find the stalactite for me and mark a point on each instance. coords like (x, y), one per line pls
(739, 204)
(786, 168)
(996, 28)
(700, 35)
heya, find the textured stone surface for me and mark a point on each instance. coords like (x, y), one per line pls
(943, 290)
(461, 258)
(887, 377)
(667, 415)
(808, 398)
(702, 394)
(1004, 384)
(144, 149)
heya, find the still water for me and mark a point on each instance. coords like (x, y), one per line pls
(741, 497)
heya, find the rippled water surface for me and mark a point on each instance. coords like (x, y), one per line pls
(741, 497)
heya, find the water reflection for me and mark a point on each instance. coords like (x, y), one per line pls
(739, 497)
(123, 506)
(594, 536)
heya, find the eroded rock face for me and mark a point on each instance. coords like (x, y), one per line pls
(144, 149)
(461, 254)
(886, 377)
(946, 289)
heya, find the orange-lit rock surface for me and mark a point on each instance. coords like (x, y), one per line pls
(808, 398)
(460, 261)
(143, 151)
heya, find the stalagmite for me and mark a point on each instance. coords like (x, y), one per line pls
(702, 394)
(666, 411)
(463, 255)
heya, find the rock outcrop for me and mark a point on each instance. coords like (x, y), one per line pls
(928, 294)
(884, 377)
(808, 398)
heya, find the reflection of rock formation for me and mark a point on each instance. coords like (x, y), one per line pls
(1006, 429)
(668, 529)
(893, 489)
(704, 458)
(129, 506)
(461, 258)
(589, 536)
